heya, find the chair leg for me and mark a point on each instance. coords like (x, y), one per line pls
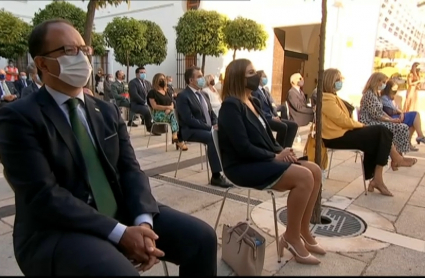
(164, 266)
(247, 205)
(207, 164)
(330, 164)
(202, 160)
(364, 178)
(131, 123)
(221, 208)
(166, 138)
(276, 230)
(355, 160)
(178, 163)
(150, 134)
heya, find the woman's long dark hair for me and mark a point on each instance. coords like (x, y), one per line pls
(389, 90)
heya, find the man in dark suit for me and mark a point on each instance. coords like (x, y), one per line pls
(36, 83)
(117, 89)
(84, 209)
(286, 130)
(8, 92)
(196, 119)
(299, 112)
(107, 95)
(139, 88)
(21, 83)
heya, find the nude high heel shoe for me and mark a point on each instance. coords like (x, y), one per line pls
(283, 244)
(313, 248)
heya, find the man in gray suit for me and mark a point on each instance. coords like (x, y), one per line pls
(36, 83)
(139, 88)
(118, 88)
(8, 92)
(299, 112)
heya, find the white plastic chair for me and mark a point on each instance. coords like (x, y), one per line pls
(217, 147)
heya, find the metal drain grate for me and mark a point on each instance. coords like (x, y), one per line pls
(210, 190)
(342, 223)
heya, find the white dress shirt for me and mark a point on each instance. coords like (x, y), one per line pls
(61, 99)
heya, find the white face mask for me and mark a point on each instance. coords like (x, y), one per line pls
(74, 70)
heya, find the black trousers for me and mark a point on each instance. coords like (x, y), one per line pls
(186, 241)
(144, 111)
(374, 141)
(204, 136)
(286, 131)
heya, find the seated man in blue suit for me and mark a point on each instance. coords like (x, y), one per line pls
(196, 119)
(286, 130)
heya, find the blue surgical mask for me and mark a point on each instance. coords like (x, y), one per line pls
(264, 81)
(200, 82)
(2, 76)
(143, 76)
(338, 85)
(23, 77)
(382, 87)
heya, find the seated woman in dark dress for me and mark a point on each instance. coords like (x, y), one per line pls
(252, 158)
(412, 119)
(163, 107)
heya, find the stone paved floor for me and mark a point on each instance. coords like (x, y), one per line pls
(403, 236)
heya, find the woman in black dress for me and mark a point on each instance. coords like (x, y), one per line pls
(252, 158)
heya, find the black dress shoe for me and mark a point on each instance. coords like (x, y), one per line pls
(131, 124)
(221, 182)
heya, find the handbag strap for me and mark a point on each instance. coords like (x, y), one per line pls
(244, 232)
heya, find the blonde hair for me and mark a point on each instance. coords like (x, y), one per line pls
(208, 79)
(295, 78)
(330, 77)
(155, 81)
(374, 81)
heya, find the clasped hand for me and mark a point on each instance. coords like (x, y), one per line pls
(138, 245)
(287, 155)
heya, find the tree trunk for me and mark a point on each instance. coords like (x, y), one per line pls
(316, 217)
(203, 63)
(88, 28)
(128, 68)
(234, 54)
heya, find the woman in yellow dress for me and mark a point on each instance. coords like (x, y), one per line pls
(412, 85)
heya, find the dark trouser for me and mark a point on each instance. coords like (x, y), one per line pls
(186, 241)
(283, 111)
(374, 141)
(205, 136)
(145, 112)
(286, 131)
(126, 104)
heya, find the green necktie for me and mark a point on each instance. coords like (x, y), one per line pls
(100, 187)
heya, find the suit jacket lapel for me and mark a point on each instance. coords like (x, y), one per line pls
(53, 112)
(95, 120)
(256, 122)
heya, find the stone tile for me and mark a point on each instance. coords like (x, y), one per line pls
(410, 222)
(372, 219)
(396, 239)
(181, 173)
(5, 228)
(342, 155)
(199, 178)
(345, 174)
(264, 220)
(271, 264)
(332, 265)
(233, 213)
(155, 182)
(418, 197)
(385, 204)
(184, 200)
(336, 162)
(359, 244)
(390, 217)
(354, 189)
(8, 265)
(5, 191)
(259, 194)
(400, 183)
(397, 261)
(414, 171)
(338, 202)
(366, 257)
(331, 187)
(10, 220)
(7, 201)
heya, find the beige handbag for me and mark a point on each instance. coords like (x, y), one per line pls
(243, 249)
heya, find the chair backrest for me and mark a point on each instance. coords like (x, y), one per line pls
(356, 114)
(214, 133)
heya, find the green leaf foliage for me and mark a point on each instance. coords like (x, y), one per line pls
(72, 13)
(125, 35)
(243, 33)
(201, 32)
(98, 42)
(13, 36)
(155, 51)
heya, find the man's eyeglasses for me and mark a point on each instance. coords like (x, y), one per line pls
(72, 50)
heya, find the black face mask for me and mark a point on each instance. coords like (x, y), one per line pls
(161, 83)
(212, 82)
(253, 82)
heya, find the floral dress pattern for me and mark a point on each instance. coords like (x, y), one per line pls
(371, 110)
